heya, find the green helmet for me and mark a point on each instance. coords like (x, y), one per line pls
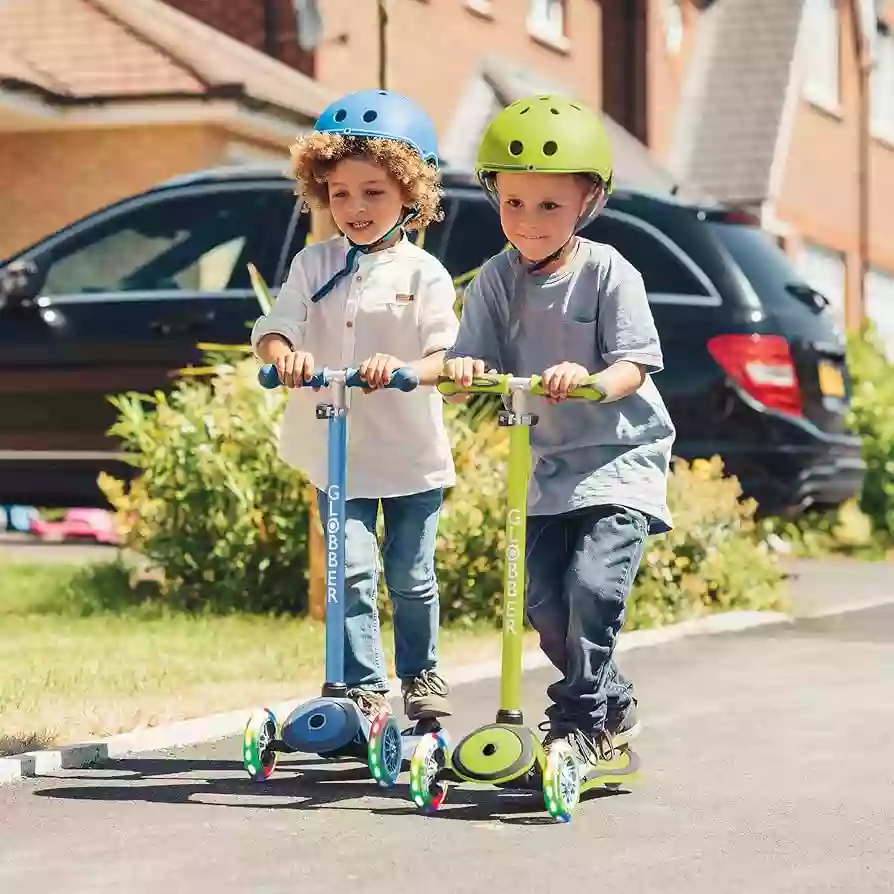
(548, 134)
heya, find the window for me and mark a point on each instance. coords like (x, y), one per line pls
(880, 307)
(823, 36)
(825, 271)
(200, 242)
(765, 265)
(546, 19)
(672, 16)
(664, 269)
(882, 85)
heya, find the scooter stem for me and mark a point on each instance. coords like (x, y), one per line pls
(334, 532)
(518, 422)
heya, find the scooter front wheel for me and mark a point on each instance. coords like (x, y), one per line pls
(429, 758)
(561, 783)
(258, 757)
(385, 750)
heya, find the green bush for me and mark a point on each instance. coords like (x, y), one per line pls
(224, 520)
(872, 417)
(712, 560)
(213, 507)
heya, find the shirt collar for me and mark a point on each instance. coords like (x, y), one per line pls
(378, 258)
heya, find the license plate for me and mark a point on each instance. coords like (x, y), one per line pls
(831, 380)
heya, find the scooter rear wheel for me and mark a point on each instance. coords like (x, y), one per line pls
(429, 758)
(258, 758)
(561, 783)
(385, 750)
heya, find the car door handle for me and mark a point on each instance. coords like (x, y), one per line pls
(182, 325)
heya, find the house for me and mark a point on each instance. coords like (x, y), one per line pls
(102, 98)
(771, 118)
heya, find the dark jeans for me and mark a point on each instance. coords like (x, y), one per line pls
(581, 567)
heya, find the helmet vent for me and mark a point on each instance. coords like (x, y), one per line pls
(573, 106)
(550, 148)
(555, 111)
(370, 115)
(516, 147)
(525, 110)
(341, 114)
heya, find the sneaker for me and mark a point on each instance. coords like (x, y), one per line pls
(586, 748)
(370, 701)
(425, 696)
(625, 729)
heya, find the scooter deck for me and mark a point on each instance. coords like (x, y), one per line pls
(335, 728)
(623, 769)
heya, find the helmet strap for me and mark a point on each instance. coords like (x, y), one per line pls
(356, 248)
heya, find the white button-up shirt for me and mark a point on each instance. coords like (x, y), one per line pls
(397, 301)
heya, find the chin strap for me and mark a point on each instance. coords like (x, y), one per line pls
(357, 249)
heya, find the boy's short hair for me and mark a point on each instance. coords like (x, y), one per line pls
(316, 154)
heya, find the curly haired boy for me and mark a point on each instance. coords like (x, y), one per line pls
(370, 298)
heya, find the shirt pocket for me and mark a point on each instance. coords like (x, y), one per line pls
(579, 343)
(386, 320)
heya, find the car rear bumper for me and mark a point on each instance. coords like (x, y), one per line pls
(787, 480)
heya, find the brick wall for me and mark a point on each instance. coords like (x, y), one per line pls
(50, 179)
(668, 55)
(819, 197)
(266, 25)
(435, 46)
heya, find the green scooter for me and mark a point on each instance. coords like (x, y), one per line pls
(507, 753)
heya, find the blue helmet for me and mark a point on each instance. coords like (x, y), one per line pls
(383, 114)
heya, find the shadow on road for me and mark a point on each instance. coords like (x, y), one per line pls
(507, 806)
(306, 786)
(295, 786)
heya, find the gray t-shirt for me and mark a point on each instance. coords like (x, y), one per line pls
(594, 311)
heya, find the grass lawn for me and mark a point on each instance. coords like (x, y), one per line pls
(78, 660)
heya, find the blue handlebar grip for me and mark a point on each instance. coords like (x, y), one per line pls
(404, 379)
(268, 376)
(353, 379)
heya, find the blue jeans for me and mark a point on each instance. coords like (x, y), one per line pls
(408, 557)
(581, 567)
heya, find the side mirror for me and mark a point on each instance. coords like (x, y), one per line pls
(20, 284)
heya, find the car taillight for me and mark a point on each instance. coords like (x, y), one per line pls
(762, 365)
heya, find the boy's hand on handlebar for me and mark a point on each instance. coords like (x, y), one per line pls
(295, 368)
(560, 379)
(377, 370)
(463, 369)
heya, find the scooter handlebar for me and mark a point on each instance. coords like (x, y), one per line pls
(492, 383)
(404, 378)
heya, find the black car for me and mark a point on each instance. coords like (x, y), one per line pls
(754, 369)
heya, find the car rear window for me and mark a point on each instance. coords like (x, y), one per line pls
(764, 263)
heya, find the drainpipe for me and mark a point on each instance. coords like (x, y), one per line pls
(271, 30)
(864, 55)
(383, 43)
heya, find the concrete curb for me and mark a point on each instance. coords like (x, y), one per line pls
(232, 723)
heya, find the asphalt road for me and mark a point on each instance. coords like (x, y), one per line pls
(769, 770)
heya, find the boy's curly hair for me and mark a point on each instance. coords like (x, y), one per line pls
(316, 154)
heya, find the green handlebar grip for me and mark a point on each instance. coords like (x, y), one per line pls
(589, 391)
(486, 384)
(500, 384)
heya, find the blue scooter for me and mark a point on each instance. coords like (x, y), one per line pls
(332, 725)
